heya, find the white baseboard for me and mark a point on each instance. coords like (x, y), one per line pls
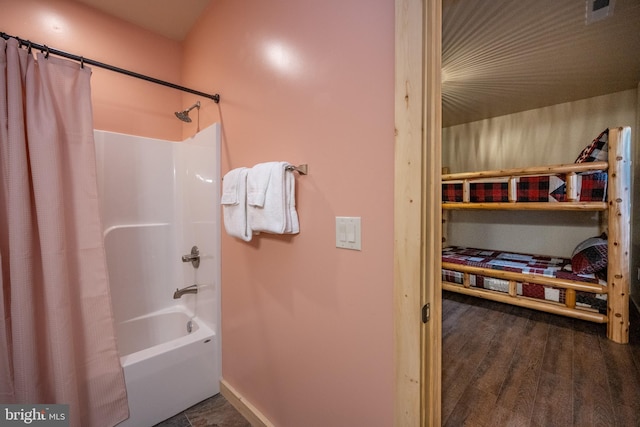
(243, 406)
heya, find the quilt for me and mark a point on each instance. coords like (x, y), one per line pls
(592, 187)
(521, 263)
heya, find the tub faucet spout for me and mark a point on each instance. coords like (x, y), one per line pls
(193, 289)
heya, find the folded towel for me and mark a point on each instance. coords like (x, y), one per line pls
(258, 181)
(271, 199)
(234, 204)
(230, 187)
(293, 226)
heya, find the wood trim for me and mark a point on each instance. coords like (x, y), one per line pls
(535, 170)
(407, 211)
(466, 191)
(572, 186)
(545, 306)
(513, 288)
(417, 213)
(527, 206)
(509, 175)
(570, 298)
(513, 190)
(618, 269)
(430, 283)
(250, 412)
(528, 278)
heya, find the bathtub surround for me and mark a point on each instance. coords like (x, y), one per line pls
(159, 199)
(57, 341)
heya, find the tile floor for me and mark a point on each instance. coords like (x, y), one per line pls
(213, 412)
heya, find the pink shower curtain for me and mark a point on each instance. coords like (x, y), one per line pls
(57, 340)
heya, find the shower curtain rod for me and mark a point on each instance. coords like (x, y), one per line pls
(47, 50)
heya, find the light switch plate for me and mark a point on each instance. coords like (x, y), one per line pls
(348, 232)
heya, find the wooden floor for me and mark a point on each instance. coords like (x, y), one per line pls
(508, 366)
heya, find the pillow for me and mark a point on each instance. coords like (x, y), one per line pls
(596, 151)
(590, 256)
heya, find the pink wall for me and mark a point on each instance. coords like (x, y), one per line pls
(120, 103)
(307, 328)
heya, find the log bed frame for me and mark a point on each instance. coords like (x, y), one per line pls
(617, 213)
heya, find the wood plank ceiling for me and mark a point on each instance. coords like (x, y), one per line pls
(505, 56)
(498, 57)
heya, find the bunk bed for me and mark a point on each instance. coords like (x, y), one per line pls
(596, 287)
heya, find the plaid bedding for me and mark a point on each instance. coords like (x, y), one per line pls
(521, 263)
(451, 192)
(591, 188)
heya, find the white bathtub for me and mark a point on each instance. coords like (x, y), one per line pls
(166, 368)
(157, 200)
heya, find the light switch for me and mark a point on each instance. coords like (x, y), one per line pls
(351, 232)
(341, 232)
(348, 233)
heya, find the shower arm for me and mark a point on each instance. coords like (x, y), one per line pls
(196, 105)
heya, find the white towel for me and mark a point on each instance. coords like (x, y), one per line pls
(293, 226)
(258, 181)
(234, 204)
(271, 199)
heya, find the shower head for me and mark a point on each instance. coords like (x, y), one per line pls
(184, 114)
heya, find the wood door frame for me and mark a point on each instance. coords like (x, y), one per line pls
(417, 213)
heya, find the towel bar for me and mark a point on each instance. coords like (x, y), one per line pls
(301, 169)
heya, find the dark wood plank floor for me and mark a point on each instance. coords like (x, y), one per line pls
(509, 366)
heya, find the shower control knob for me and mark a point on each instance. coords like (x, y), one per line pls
(193, 257)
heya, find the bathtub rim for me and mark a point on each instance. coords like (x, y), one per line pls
(202, 333)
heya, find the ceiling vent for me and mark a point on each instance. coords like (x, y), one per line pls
(598, 10)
